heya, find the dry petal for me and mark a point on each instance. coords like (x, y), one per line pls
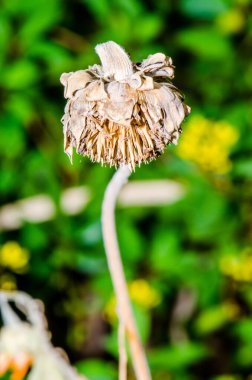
(74, 81)
(117, 113)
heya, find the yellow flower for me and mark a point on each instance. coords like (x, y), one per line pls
(110, 310)
(208, 144)
(230, 22)
(7, 282)
(231, 310)
(141, 293)
(238, 268)
(14, 257)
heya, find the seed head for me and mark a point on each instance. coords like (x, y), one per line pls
(120, 112)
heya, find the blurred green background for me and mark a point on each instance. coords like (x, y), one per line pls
(188, 263)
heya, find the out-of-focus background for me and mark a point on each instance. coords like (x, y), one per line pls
(185, 234)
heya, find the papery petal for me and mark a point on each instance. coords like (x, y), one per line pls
(95, 91)
(147, 84)
(75, 81)
(135, 81)
(119, 92)
(167, 71)
(119, 111)
(153, 61)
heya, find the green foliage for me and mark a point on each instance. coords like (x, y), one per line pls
(185, 251)
(97, 370)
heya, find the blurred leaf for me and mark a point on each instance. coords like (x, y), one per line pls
(147, 27)
(12, 142)
(99, 8)
(19, 74)
(20, 106)
(165, 250)
(57, 58)
(243, 330)
(90, 265)
(176, 357)
(143, 322)
(226, 377)
(213, 208)
(216, 317)
(91, 234)
(39, 236)
(130, 240)
(243, 356)
(243, 168)
(203, 9)
(97, 369)
(5, 36)
(206, 43)
(36, 25)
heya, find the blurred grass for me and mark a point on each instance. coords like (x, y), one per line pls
(177, 249)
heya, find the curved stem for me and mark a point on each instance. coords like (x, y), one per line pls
(117, 272)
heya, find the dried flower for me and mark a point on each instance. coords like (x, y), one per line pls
(26, 346)
(122, 113)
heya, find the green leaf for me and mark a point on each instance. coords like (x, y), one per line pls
(143, 322)
(39, 22)
(20, 74)
(206, 10)
(176, 357)
(243, 168)
(56, 58)
(243, 356)
(99, 8)
(243, 330)
(97, 370)
(215, 318)
(20, 105)
(164, 251)
(147, 27)
(206, 43)
(12, 142)
(130, 240)
(5, 37)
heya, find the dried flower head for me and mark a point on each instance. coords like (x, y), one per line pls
(25, 343)
(122, 113)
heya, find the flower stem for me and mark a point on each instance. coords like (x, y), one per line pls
(117, 273)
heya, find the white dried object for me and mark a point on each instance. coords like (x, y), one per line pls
(122, 113)
(27, 343)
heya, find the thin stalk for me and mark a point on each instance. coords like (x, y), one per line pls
(117, 273)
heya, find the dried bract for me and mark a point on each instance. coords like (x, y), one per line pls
(122, 113)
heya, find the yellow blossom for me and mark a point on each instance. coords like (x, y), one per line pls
(230, 22)
(238, 268)
(143, 294)
(208, 144)
(231, 310)
(140, 292)
(7, 282)
(14, 257)
(110, 310)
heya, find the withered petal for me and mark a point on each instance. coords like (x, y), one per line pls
(117, 113)
(75, 81)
